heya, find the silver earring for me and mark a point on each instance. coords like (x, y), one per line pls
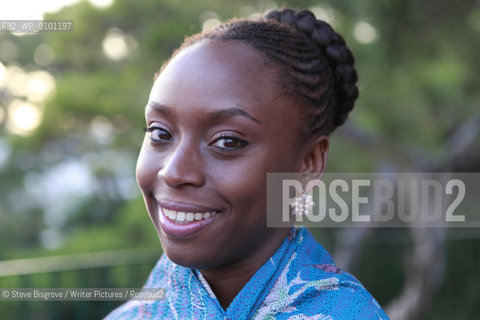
(302, 205)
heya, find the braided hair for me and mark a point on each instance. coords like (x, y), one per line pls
(316, 65)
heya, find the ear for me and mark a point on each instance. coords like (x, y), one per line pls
(315, 159)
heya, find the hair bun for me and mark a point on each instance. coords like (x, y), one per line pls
(315, 65)
(335, 50)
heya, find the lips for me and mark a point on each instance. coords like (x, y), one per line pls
(181, 220)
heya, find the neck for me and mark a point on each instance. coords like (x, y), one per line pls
(227, 281)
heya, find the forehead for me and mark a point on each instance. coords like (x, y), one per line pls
(232, 61)
(215, 73)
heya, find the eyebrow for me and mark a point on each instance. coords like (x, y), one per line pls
(158, 107)
(215, 115)
(232, 112)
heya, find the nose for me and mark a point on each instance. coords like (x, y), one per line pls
(183, 166)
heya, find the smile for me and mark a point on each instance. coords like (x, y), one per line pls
(182, 220)
(182, 217)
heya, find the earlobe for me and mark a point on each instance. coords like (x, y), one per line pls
(315, 159)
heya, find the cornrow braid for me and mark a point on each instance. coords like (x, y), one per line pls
(340, 58)
(315, 63)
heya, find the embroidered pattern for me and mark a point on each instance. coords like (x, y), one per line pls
(300, 281)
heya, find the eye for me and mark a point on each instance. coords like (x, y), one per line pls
(229, 142)
(158, 134)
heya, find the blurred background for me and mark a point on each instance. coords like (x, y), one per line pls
(71, 119)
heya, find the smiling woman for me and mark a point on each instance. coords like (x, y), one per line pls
(232, 104)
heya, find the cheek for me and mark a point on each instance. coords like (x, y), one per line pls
(244, 183)
(243, 187)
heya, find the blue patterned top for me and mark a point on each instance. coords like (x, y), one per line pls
(300, 281)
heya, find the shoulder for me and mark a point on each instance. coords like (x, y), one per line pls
(312, 286)
(338, 295)
(164, 274)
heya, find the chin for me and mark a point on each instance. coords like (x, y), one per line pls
(189, 258)
(190, 262)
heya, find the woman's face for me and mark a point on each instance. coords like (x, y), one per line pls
(217, 123)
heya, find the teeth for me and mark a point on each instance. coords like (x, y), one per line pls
(181, 217)
(170, 213)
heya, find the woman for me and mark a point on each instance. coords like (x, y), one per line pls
(250, 97)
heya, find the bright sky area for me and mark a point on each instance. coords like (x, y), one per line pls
(33, 9)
